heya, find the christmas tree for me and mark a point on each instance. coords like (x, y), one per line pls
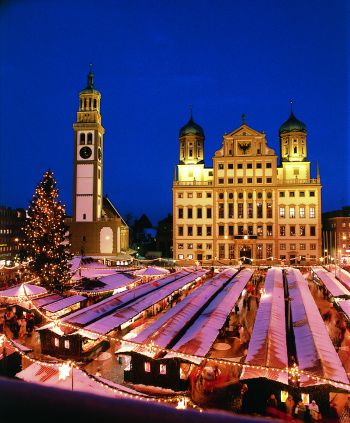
(46, 245)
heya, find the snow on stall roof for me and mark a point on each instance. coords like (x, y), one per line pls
(315, 351)
(267, 346)
(63, 303)
(151, 271)
(343, 276)
(22, 290)
(87, 267)
(110, 304)
(164, 329)
(49, 376)
(335, 288)
(122, 315)
(48, 299)
(199, 338)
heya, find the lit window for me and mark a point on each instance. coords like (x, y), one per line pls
(190, 256)
(147, 366)
(66, 344)
(57, 342)
(282, 212)
(180, 256)
(302, 212)
(312, 212)
(292, 212)
(162, 369)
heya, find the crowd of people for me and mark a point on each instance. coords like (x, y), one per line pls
(19, 323)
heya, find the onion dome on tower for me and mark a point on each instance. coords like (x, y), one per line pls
(191, 138)
(293, 139)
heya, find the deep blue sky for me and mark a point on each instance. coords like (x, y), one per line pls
(152, 59)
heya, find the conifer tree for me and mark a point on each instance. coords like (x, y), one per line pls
(46, 246)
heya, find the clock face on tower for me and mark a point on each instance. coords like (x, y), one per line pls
(85, 152)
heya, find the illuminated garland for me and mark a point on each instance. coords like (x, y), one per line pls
(294, 371)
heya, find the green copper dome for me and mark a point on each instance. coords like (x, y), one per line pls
(292, 125)
(191, 128)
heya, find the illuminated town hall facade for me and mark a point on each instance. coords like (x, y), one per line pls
(247, 207)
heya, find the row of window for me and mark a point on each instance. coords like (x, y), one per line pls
(208, 246)
(258, 180)
(260, 230)
(299, 193)
(8, 248)
(259, 165)
(282, 257)
(292, 212)
(88, 103)
(260, 211)
(5, 231)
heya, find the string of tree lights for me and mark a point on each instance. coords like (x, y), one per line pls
(45, 243)
(294, 372)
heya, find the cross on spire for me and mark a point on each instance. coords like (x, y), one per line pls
(243, 118)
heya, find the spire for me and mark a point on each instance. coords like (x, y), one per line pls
(243, 118)
(90, 83)
(291, 106)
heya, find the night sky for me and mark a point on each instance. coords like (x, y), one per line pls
(151, 60)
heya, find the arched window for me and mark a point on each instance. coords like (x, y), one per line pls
(295, 150)
(84, 216)
(84, 103)
(95, 103)
(89, 138)
(82, 139)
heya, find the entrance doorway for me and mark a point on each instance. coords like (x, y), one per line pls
(245, 254)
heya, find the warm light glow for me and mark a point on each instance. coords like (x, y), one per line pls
(64, 371)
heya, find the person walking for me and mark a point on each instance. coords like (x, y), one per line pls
(290, 403)
(314, 410)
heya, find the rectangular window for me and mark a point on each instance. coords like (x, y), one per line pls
(66, 344)
(250, 230)
(190, 246)
(302, 230)
(199, 195)
(189, 230)
(249, 180)
(180, 246)
(230, 166)
(56, 342)
(281, 194)
(268, 165)
(208, 230)
(221, 251)
(199, 231)
(221, 230)
(282, 212)
(189, 213)
(292, 212)
(312, 212)
(259, 251)
(240, 229)
(269, 180)
(240, 166)
(302, 194)
(260, 230)
(259, 165)
(249, 165)
(282, 246)
(208, 246)
(282, 230)
(180, 257)
(147, 366)
(269, 230)
(301, 212)
(231, 251)
(240, 210)
(303, 246)
(230, 210)
(162, 369)
(221, 180)
(259, 210)
(180, 231)
(293, 247)
(312, 193)
(269, 210)
(208, 257)
(220, 166)
(250, 210)
(292, 231)
(230, 230)
(190, 256)
(180, 195)
(221, 213)
(291, 193)
(199, 213)
(208, 194)
(181, 213)
(230, 180)
(190, 195)
(312, 230)
(199, 246)
(208, 212)
(268, 250)
(312, 246)
(240, 181)
(259, 180)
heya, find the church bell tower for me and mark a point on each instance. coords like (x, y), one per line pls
(88, 156)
